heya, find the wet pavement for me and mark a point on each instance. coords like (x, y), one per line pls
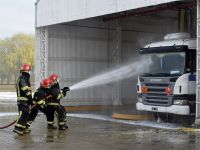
(8, 102)
(97, 134)
(94, 131)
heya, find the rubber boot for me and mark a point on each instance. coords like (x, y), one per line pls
(51, 126)
(27, 129)
(18, 130)
(66, 126)
(62, 127)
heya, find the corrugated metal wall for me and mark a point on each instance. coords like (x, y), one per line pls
(83, 48)
(76, 53)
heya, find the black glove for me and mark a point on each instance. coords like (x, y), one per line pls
(65, 89)
(64, 93)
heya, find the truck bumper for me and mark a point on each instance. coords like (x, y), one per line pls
(174, 109)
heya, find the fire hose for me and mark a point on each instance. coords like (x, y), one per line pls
(10, 124)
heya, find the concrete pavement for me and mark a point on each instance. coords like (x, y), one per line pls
(91, 134)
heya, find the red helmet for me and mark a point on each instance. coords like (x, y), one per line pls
(45, 83)
(53, 77)
(25, 67)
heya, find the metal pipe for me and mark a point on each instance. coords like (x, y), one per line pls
(37, 2)
(147, 11)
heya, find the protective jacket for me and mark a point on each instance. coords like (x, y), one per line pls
(40, 96)
(56, 94)
(23, 88)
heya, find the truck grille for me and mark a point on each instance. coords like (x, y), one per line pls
(156, 95)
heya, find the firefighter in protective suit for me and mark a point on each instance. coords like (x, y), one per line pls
(54, 102)
(24, 99)
(40, 98)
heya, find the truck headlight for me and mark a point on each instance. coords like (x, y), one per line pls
(140, 99)
(180, 102)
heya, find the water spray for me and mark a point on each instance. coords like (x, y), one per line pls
(113, 75)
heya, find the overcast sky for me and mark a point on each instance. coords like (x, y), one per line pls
(17, 16)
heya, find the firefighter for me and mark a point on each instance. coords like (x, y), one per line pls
(54, 103)
(24, 99)
(40, 99)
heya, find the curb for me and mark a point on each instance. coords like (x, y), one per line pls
(132, 116)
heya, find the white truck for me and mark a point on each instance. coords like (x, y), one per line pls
(169, 87)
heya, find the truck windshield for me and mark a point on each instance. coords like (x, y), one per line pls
(166, 63)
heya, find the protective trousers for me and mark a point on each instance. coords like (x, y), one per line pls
(60, 113)
(44, 110)
(23, 109)
(64, 112)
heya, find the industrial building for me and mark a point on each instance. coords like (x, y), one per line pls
(78, 39)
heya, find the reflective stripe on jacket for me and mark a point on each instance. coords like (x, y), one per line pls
(23, 88)
(56, 93)
(40, 96)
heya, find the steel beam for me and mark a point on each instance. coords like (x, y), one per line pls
(41, 56)
(116, 60)
(197, 121)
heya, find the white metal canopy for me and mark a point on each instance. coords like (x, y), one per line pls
(50, 12)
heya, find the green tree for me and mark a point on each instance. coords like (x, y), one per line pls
(14, 52)
(5, 47)
(22, 51)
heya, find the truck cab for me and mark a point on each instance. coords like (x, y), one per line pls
(169, 85)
